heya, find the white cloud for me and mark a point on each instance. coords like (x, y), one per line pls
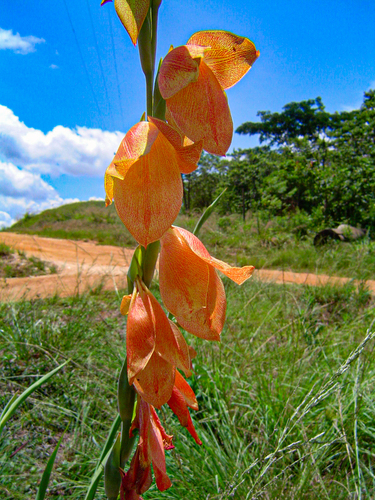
(22, 191)
(54, 66)
(27, 153)
(19, 44)
(81, 151)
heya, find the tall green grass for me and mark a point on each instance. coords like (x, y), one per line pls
(286, 409)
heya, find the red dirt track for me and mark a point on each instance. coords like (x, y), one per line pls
(85, 265)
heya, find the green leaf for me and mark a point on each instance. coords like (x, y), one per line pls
(107, 448)
(47, 472)
(90, 495)
(207, 213)
(13, 404)
(112, 476)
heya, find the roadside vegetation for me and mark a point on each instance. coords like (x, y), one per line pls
(277, 417)
(16, 265)
(279, 242)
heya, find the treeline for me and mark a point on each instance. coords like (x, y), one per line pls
(313, 161)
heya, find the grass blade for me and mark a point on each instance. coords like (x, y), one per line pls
(207, 213)
(47, 472)
(13, 404)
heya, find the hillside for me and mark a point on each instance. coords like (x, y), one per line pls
(284, 243)
(86, 220)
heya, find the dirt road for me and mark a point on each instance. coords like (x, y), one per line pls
(84, 265)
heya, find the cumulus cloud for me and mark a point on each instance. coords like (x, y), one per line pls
(22, 191)
(27, 153)
(19, 44)
(79, 151)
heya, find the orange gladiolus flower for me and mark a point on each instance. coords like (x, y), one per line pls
(153, 440)
(192, 80)
(189, 285)
(132, 14)
(155, 347)
(144, 178)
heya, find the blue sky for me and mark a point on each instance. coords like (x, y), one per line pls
(71, 83)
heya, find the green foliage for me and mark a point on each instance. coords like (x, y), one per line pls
(320, 163)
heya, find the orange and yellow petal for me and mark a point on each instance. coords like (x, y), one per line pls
(201, 111)
(228, 56)
(190, 288)
(180, 67)
(188, 154)
(149, 198)
(237, 274)
(132, 14)
(140, 337)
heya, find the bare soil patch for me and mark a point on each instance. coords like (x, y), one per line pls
(83, 265)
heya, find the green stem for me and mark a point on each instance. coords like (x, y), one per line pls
(149, 91)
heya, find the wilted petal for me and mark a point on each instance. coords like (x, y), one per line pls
(156, 443)
(132, 13)
(229, 56)
(201, 111)
(155, 382)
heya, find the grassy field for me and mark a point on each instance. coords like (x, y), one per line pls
(283, 243)
(284, 411)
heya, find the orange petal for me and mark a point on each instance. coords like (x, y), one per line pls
(137, 142)
(149, 198)
(155, 382)
(237, 274)
(185, 389)
(229, 56)
(179, 68)
(189, 154)
(183, 357)
(178, 405)
(201, 111)
(132, 13)
(190, 288)
(166, 344)
(140, 337)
